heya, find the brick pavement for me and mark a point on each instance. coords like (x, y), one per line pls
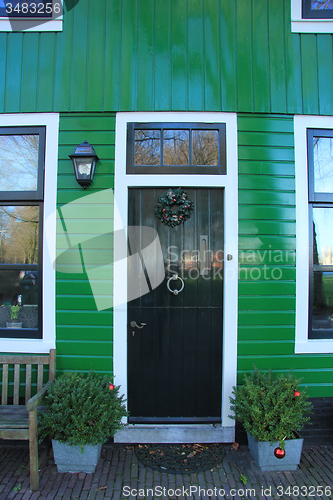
(119, 475)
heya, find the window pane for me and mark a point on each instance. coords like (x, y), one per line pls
(147, 147)
(322, 312)
(323, 164)
(18, 162)
(322, 236)
(19, 234)
(205, 147)
(176, 147)
(19, 288)
(321, 4)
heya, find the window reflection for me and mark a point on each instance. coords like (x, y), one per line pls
(18, 162)
(147, 147)
(322, 317)
(323, 235)
(176, 147)
(19, 289)
(205, 149)
(19, 234)
(321, 4)
(323, 164)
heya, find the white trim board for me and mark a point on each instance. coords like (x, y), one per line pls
(51, 122)
(230, 182)
(302, 343)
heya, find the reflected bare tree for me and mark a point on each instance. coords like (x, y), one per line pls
(321, 4)
(176, 147)
(18, 162)
(19, 234)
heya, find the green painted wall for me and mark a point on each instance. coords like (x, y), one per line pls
(84, 334)
(267, 258)
(189, 55)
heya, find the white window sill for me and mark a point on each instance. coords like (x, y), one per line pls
(314, 347)
(30, 25)
(312, 26)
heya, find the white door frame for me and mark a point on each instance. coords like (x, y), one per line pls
(123, 181)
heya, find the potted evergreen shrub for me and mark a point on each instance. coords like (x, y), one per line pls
(272, 410)
(81, 412)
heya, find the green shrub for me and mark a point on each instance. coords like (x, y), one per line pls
(268, 408)
(81, 409)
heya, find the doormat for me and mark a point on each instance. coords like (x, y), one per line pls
(180, 458)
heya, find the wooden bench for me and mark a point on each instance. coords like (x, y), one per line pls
(20, 421)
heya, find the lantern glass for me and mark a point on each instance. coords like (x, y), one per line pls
(83, 166)
(84, 160)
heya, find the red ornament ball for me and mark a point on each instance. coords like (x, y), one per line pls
(279, 453)
(163, 210)
(296, 394)
(111, 386)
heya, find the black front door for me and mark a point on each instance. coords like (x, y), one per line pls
(175, 357)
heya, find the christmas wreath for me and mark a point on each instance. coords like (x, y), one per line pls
(166, 202)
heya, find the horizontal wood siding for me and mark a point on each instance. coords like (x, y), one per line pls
(184, 55)
(84, 333)
(267, 244)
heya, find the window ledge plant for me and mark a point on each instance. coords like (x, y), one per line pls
(81, 410)
(271, 409)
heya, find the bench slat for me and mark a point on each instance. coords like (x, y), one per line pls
(27, 383)
(39, 378)
(16, 384)
(4, 384)
(22, 359)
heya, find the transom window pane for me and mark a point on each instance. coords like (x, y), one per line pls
(147, 147)
(19, 228)
(205, 147)
(176, 147)
(18, 162)
(323, 164)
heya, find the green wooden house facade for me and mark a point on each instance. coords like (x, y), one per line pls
(262, 72)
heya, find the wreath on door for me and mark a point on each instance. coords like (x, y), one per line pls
(167, 201)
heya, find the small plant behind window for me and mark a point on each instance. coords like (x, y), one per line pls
(14, 312)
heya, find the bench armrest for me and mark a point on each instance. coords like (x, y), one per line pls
(36, 399)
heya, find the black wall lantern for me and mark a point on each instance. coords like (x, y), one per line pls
(84, 160)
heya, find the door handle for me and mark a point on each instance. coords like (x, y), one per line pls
(135, 325)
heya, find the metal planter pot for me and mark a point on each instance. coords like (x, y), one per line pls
(263, 453)
(71, 459)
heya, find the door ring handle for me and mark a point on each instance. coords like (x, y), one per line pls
(175, 277)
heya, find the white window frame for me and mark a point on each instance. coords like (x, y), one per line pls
(27, 25)
(51, 122)
(301, 25)
(302, 343)
(230, 183)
